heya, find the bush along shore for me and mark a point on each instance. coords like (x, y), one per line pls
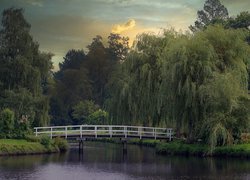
(185, 149)
(32, 145)
(201, 150)
(180, 148)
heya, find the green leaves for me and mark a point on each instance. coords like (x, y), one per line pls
(98, 117)
(24, 71)
(82, 110)
(86, 112)
(195, 83)
(213, 12)
(6, 123)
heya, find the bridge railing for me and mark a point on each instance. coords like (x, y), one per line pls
(105, 130)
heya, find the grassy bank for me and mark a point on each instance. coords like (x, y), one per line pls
(181, 148)
(34, 146)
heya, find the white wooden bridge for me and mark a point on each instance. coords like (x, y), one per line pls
(96, 131)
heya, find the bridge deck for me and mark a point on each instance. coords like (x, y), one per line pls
(80, 131)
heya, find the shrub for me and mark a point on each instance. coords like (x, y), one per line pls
(46, 141)
(6, 123)
(98, 117)
(32, 138)
(62, 144)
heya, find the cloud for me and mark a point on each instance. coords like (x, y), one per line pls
(119, 28)
(34, 2)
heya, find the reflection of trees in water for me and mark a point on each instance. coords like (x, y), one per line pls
(208, 167)
(138, 162)
(29, 161)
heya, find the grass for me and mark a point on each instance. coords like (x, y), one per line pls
(182, 148)
(238, 150)
(24, 147)
(146, 142)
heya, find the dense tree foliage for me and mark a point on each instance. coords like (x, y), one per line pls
(83, 110)
(198, 83)
(6, 123)
(134, 86)
(83, 78)
(213, 12)
(24, 71)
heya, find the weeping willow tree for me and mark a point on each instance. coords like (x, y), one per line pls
(205, 82)
(226, 94)
(135, 84)
(188, 62)
(197, 83)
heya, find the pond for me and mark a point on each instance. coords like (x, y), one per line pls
(108, 162)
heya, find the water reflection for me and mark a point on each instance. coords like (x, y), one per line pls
(107, 161)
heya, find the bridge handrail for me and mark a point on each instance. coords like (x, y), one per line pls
(45, 127)
(109, 130)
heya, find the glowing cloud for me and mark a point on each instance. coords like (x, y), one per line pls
(119, 28)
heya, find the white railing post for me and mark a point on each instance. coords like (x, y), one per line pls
(36, 131)
(95, 131)
(125, 131)
(81, 131)
(154, 132)
(110, 131)
(139, 131)
(51, 135)
(66, 133)
(170, 134)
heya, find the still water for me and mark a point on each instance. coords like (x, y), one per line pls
(106, 161)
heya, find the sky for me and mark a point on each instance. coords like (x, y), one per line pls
(61, 25)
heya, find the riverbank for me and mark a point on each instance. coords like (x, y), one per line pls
(26, 147)
(201, 150)
(184, 149)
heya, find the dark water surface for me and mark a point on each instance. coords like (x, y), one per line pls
(106, 161)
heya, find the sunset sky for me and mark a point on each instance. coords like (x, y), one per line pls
(60, 25)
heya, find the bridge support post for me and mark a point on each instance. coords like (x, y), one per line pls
(81, 145)
(124, 146)
(154, 133)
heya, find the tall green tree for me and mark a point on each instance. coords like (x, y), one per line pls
(72, 87)
(72, 60)
(98, 66)
(213, 11)
(242, 21)
(134, 85)
(23, 66)
(118, 47)
(195, 83)
(101, 62)
(196, 68)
